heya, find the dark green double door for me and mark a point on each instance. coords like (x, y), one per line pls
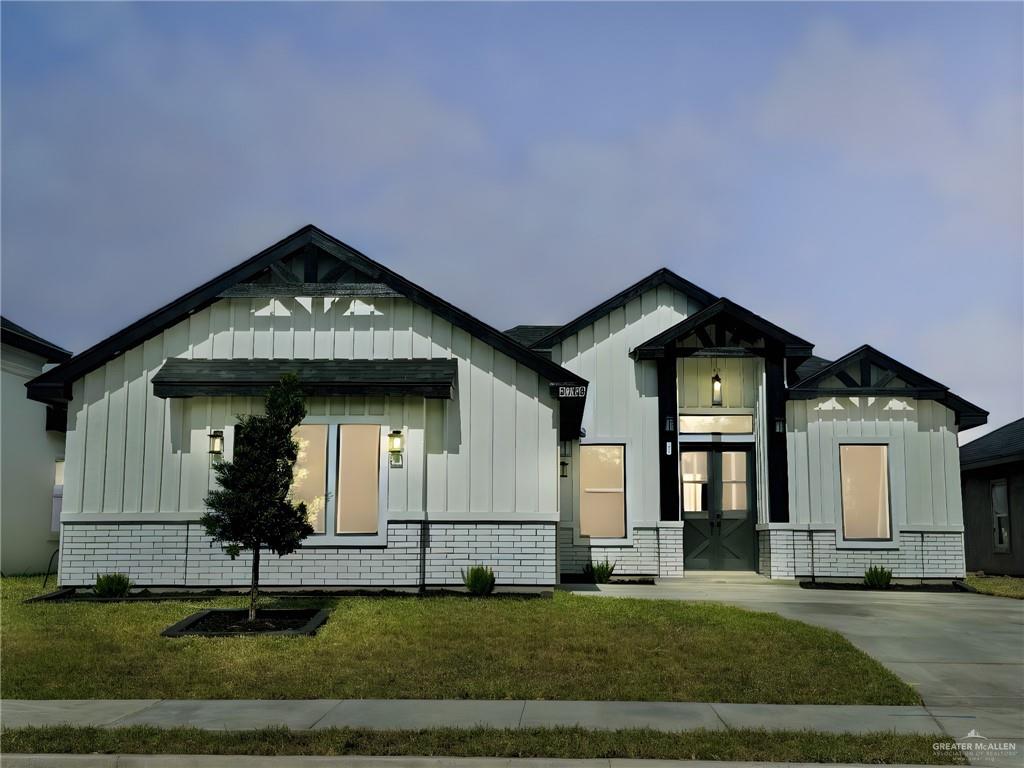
(718, 508)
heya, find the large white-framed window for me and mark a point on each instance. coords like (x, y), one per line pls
(341, 475)
(999, 493)
(603, 491)
(865, 492)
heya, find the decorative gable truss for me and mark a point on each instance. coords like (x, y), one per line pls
(866, 372)
(311, 270)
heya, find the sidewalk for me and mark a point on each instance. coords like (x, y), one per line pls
(418, 714)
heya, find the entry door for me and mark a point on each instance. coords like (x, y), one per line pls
(718, 509)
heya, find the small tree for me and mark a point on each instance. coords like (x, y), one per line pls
(250, 509)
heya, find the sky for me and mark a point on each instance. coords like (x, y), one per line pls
(852, 172)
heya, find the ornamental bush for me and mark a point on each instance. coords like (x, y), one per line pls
(599, 573)
(479, 580)
(111, 585)
(877, 577)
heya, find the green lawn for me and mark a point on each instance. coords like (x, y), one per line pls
(745, 745)
(1000, 586)
(568, 647)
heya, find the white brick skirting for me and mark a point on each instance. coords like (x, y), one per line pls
(921, 555)
(181, 554)
(655, 551)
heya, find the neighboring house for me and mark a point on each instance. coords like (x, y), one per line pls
(31, 455)
(992, 468)
(667, 429)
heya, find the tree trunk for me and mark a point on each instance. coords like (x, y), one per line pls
(254, 591)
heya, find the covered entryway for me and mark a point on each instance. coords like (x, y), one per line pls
(718, 507)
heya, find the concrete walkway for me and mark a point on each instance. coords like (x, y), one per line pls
(316, 714)
(238, 761)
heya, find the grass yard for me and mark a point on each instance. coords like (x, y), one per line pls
(1000, 586)
(568, 647)
(744, 745)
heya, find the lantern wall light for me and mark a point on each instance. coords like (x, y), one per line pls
(216, 442)
(396, 444)
(716, 390)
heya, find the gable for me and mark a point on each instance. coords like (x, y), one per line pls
(308, 262)
(867, 372)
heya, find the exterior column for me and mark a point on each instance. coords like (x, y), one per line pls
(668, 444)
(775, 441)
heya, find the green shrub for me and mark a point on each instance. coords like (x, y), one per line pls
(877, 577)
(111, 585)
(599, 573)
(479, 580)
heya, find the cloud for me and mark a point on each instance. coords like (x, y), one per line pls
(881, 108)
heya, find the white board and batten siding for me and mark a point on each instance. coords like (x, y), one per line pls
(489, 454)
(924, 459)
(622, 400)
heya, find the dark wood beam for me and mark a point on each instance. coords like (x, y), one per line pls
(668, 444)
(778, 462)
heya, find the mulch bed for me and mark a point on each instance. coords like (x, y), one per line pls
(890, 588)
(224, 622)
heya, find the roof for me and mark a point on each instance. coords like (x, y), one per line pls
(662, 276)
(808, 368)
(529, 335)
(654, 347)
(54, 386)
(21, 338)
(997, 447)
(180, 377)
(894, 379)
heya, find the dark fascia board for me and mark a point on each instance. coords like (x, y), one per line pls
(656, 346)
(54, 386)
(1000, 446)
(14, 335)
(663, 276)
(920, 387)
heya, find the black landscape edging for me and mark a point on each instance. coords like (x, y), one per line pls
(857, 587)
(72, 595)
(316, 620)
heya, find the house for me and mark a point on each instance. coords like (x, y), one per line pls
(992, 470)
(667, 429)
(31, 455)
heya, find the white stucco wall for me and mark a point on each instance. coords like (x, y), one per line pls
(27, 456)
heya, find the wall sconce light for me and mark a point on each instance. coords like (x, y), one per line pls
(780, 425)
(216, 442)
(396, 443)
(563, 469)
(716, 390)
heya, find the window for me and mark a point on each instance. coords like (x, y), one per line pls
(358, 473)
(695, 481)
(338, 468)
(1000, 516)
(309, 477)
(718, 423)
(603, 491)
(864, 477)
(734, 484)
(58, 495)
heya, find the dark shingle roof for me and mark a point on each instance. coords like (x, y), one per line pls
(180, 377)
(21, 338)
(528, 335)
(809, 367)
(1000, 445)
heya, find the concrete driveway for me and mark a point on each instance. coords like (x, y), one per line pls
(963, 652)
